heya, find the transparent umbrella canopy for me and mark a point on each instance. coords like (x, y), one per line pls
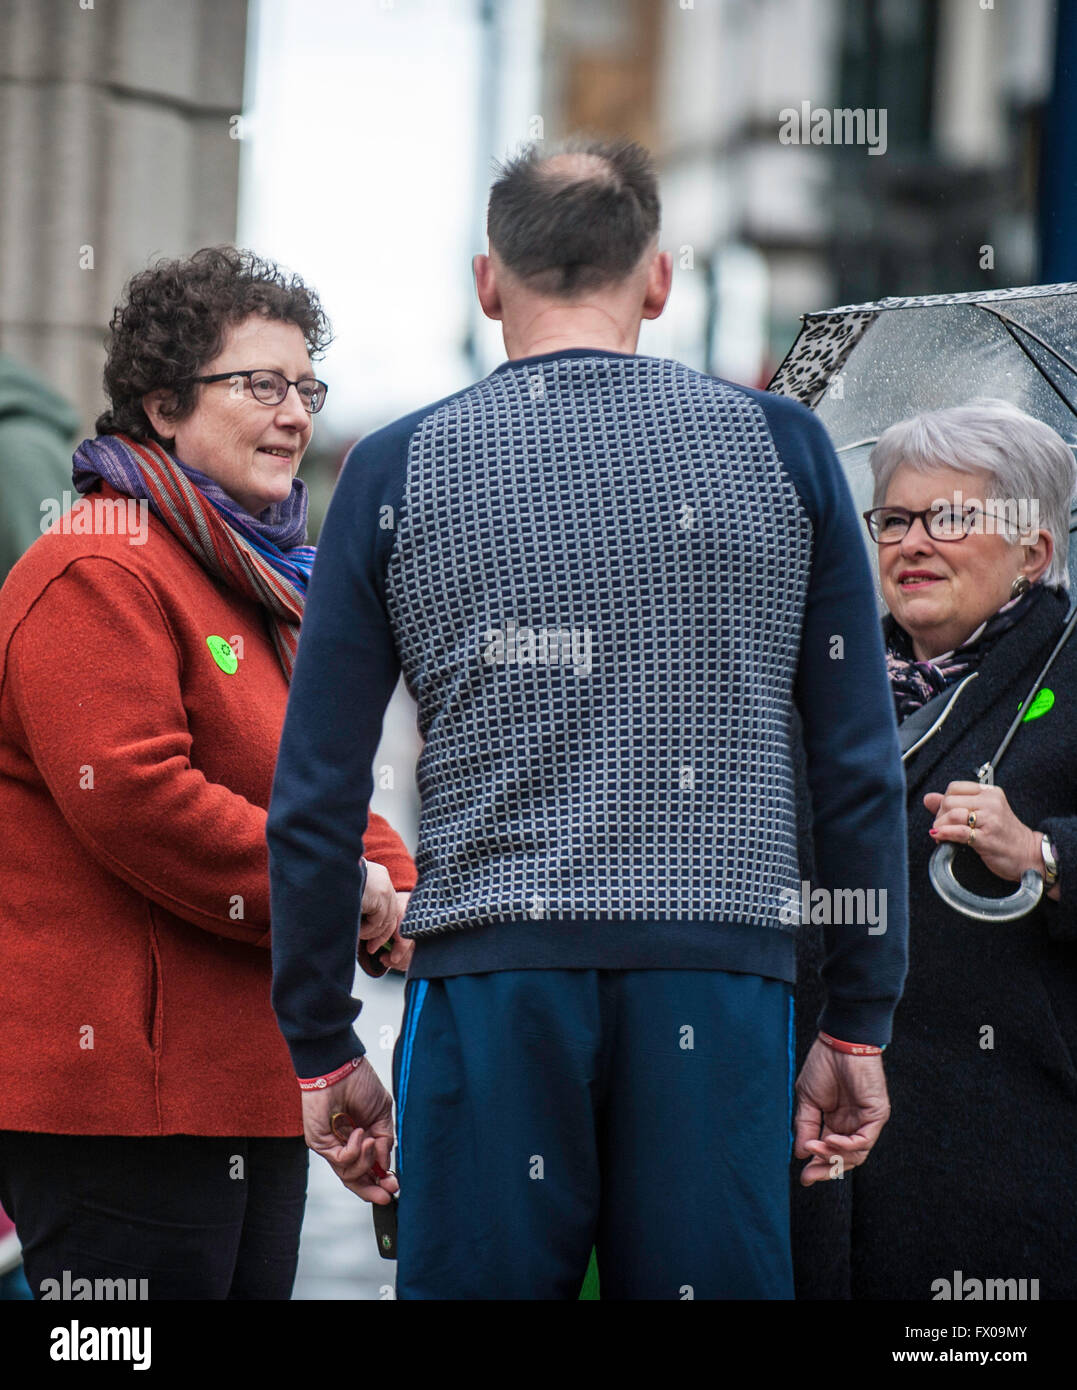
(862, 367)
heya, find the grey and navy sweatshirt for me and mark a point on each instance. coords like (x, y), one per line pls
(610, 582)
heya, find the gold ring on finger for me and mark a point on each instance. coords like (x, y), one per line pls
(342, 1118)
(972, 820)
(972, 836)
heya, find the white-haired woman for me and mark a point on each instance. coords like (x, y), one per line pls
(973, 1177)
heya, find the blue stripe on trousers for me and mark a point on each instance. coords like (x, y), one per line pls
(411, 1022)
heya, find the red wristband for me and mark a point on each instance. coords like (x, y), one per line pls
(853, 1049)
(319, 1083)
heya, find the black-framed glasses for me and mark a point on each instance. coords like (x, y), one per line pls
(945, 522)
(271, 387)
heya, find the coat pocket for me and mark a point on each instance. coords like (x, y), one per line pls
(1061, 1045)
(152, 1017)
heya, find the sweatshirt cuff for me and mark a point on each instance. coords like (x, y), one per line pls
(858, 1021)
(319, 1059)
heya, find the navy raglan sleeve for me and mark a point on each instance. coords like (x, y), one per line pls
(345, 673)
(855, 776)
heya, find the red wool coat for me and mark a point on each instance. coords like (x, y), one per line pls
(135, 774)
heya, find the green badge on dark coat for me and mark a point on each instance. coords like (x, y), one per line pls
(1040, 705)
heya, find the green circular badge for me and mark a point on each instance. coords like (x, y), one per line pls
(223, 655)
(1040, 705)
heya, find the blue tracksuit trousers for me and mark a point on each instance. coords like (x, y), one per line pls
(646, 1113)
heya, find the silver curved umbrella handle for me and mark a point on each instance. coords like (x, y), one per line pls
(1019, 904)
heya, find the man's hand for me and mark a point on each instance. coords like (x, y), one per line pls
(842, 1106)
(366, 1101)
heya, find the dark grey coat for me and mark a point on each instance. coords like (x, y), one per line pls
(977, 1169)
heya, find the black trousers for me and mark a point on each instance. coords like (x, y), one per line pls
(195, 1217)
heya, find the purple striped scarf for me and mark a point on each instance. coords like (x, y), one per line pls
(914, 682)
(264, 557)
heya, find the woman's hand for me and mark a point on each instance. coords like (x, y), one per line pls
(400, 956)
(379, 914)
(1006, 845)
(383, 911)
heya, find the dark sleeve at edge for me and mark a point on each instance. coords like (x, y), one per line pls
(854, 767)
(345, 673)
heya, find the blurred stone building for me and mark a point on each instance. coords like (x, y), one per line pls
(764, 230)
(119, 141)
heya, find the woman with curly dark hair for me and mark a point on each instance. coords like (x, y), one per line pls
(150, 1120)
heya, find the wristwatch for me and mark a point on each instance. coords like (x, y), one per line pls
(1050, 862)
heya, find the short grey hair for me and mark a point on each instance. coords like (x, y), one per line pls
(1023, 457)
